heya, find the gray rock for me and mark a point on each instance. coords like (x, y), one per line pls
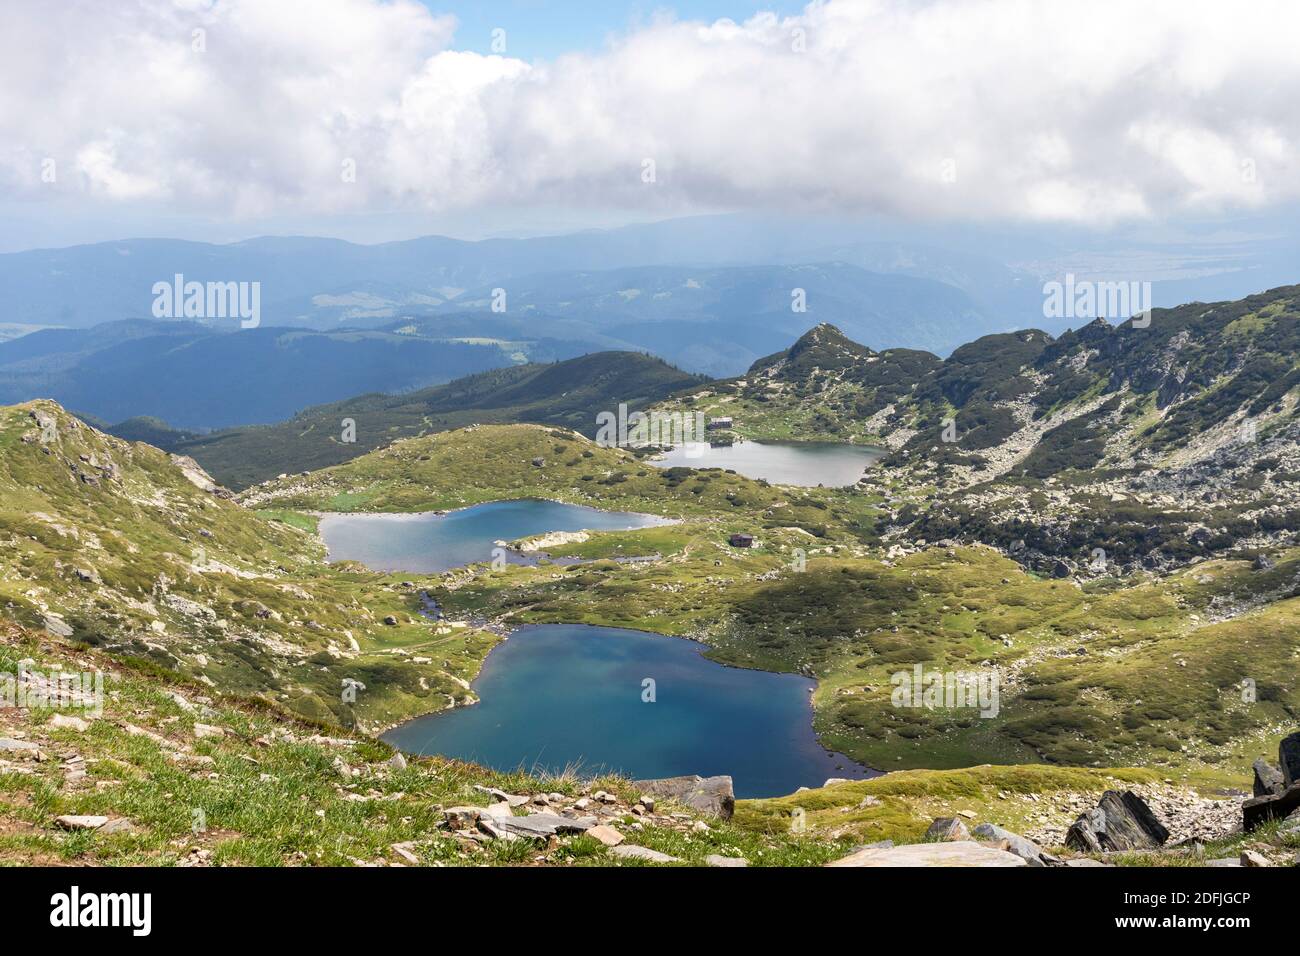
(22, 746)
(543, 824)
(1268, 779)
(629, 852)
(1274, 806)
(960, 853)
(1225, 861)
(710, 795)
(1027, 850)
(714, 859)
(72, 822)
(1120, 821)
(1288, 755)
(946, 829)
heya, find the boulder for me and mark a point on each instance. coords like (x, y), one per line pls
(962, 853)
(1120, 821)
(1027, 850)
(1268, 779)
(946, 830)
(713, 859)
(709, 795)
(1253, 859)
(1273, 806)
(1288, 755)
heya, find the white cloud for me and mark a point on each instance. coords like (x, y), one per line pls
(1077, 110)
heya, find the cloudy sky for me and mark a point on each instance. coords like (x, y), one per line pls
(369, 120)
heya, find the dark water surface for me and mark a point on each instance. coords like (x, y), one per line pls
(557, 695)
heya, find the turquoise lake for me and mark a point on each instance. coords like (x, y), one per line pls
(428, 543)
(561, 695)
(808, 464)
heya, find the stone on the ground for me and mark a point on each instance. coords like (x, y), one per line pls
(17, 746)
(73, 822)
(1120, 821)
(962, 853)
(204, 731)
(397, 762)
(1085, 862)
(713, 859)
(1027, 850)
(1253, 859)
(1272, 806)
(498, 811)
(1268, 779)
(1288, 755)
(1224, 861)
(947, 829)
(404, 850)
(629, 852)
(606, 835)
(462, 815)
(118, 825)
(544, 824)
(68, 722)
(709, 795)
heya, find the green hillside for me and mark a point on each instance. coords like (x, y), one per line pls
(569, 394)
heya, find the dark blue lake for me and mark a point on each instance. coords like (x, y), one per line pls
(427, 543)
(561, 695)
(833, 464)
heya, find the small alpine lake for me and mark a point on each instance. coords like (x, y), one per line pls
(569, 695)
(432, 542)
(807, 464)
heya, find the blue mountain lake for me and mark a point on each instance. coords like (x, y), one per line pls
(428, 543)
(833, 464)
(560, 695)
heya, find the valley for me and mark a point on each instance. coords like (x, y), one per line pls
(1105, 522)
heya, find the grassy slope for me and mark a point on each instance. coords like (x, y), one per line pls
(568, 393)
(198, 584)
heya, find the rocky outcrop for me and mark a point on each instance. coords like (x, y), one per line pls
(1120, 821)
(1277, 792)
(1027, 850)
(713, 796)
(1268, 779)
(1288, 755)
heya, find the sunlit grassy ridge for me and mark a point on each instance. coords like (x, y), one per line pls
(111, 541)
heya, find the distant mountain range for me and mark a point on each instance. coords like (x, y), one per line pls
(568, 394)
(195, 377)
